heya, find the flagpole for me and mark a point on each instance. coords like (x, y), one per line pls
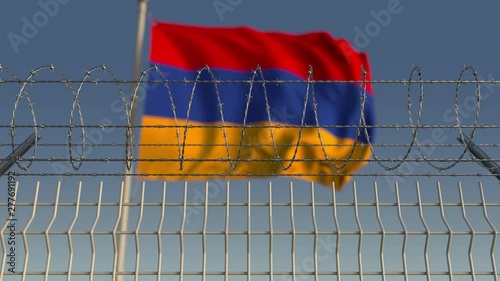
(127, 180)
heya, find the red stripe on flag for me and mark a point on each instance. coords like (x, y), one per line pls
(243, 48)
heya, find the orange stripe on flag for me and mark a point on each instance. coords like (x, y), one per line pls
(207, 146)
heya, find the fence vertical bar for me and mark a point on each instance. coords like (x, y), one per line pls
(405, 232)
(226, 236)
(292, 218)
(47, 240)
(495, 232)
(427, 234)
(25, 230)
(136, 234)
(249, 227)
(450, 231)
(358, 222)
(335, 218)
(70, 242)
(204, 236)
(315, 225)
(181, 234)
(160, 227)
(382, 239)
(115, 246)
(92, 230)
(473, 233)
(271, 231)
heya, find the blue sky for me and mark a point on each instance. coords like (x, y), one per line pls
(74, 36)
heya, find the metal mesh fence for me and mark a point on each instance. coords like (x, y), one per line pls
(273, 231)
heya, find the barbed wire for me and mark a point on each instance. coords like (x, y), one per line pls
(257, 78)
(220, 160)
(262, 175)
(277, 126)
(251, 145)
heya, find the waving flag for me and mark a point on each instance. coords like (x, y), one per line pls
(193, 131)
